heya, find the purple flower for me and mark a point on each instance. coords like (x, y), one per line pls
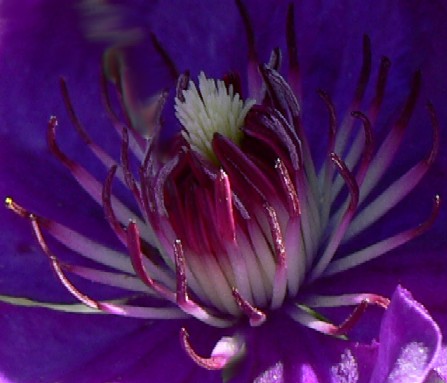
(255, 233)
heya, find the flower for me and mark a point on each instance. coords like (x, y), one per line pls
(266, 359)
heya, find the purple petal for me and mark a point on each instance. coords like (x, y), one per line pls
(409, 342)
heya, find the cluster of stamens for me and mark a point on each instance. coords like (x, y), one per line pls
(238, 219)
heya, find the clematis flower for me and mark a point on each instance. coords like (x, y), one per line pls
(260, 209)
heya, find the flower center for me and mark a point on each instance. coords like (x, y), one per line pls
(212, 108)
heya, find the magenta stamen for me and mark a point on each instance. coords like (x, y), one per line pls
(255, 316)
(213, 363)
(351, 321)
(136, 257)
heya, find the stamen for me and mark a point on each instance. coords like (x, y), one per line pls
(399, 189)
(221, 357)
(106, 160)
(280, 281)
(315, 301)
(368, 147)
(183, 300)
(382, 247)
(340, 230)
(391, 144)
(136, 257)
(131, 311)
(122, 281)
(303, 315)
(85, 179)
(255, 316)
(288, 188)
(112, 63)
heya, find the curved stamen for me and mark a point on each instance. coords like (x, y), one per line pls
(84, 178)
(75, 241)
(315, 301)
(368, 146)
(221, 356)
(111, 308)
(255, 316)
(137, 142)
(390, 145)
(340, 230)
(399, 189)
(107, 205)
(136, 257)
(382, 247)
(306, 317)
(106, 160)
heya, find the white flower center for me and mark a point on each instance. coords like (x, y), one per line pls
(213, 108)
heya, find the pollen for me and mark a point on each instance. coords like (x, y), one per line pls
(212, 108)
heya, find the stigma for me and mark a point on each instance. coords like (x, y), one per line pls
(213, 107)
